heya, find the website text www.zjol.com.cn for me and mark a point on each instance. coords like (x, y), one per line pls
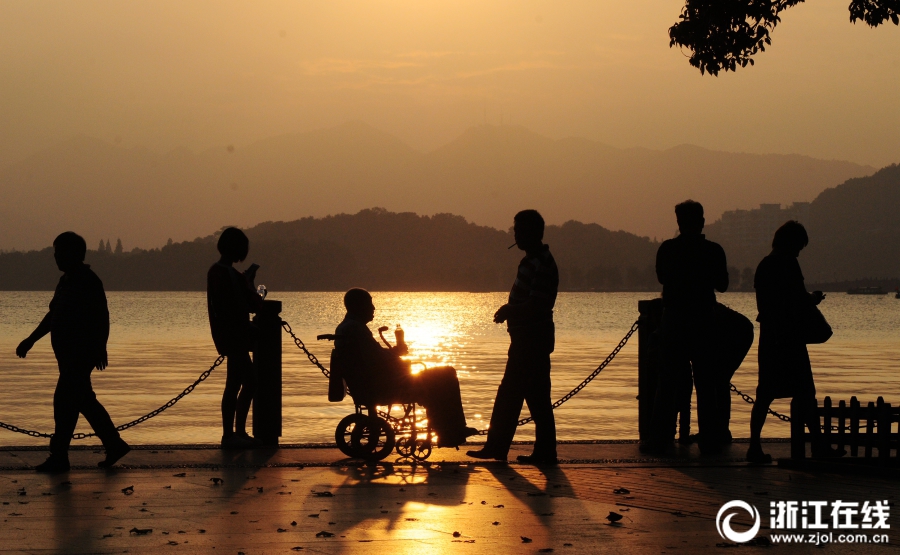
(810, 522)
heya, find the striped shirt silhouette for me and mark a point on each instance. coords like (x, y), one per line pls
(537, 276)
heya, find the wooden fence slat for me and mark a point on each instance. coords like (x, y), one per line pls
(870, 428)
(842, 424)
(798, 433)
(854, 426)
(884, 429)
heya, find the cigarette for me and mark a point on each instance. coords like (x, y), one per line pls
(511, 246)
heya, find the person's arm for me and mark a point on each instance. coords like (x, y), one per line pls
(40, 331)
(254, 301)
(721, 270)
(543, 287)
(100, 324)
(662, 264)
(534, 305)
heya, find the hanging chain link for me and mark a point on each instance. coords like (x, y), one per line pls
(312, 358)
(609, 358)
(144, 418)
(749, 400)
(300, 345)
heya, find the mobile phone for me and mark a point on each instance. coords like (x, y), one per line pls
(253, 267)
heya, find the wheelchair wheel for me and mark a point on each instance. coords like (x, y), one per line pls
(405, 447)
(421, 449)
(350, 426)
(374, 440)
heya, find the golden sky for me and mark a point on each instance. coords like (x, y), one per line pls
(164, 74)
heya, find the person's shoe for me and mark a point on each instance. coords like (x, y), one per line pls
(756, 456)
(237, 441)
(53, 465)
(485, 455)
(113, 454)
(249, 440)
(538, 460)
(470, 431)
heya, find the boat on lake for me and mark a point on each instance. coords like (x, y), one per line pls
(865, 291)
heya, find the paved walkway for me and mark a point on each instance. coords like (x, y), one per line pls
(311, 499)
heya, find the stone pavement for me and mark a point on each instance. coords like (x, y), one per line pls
(195, 499)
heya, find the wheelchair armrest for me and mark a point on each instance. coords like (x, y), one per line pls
(327, 336)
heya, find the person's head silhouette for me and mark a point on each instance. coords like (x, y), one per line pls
(689, 215)
(233, 245)
(358, 303)
(69, 250)
(528, 228)
(790, 238)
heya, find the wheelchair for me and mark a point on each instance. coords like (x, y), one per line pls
(371, 432)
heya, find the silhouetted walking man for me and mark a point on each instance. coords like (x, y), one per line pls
(78, 324)
(230, 298)
(529, 319)
(691, 269)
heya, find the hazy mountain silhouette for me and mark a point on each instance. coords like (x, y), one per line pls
(374, 248)
(854, 233)
(487, 174)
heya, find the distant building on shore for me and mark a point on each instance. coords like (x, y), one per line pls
(747, 234)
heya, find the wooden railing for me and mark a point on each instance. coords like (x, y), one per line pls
(873, 430)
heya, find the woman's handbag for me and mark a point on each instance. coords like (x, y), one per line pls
(814, 327)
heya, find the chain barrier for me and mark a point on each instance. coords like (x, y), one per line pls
(300, 345)
(135, 422)
(312, 358)
(609, 358)
(634, 327)
(315, 361)
(750, 401)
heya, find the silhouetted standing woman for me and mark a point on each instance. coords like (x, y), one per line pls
(784, 367)
(230, 298)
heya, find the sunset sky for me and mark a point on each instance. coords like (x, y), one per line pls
(205, 74)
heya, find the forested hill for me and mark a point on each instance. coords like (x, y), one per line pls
(854, 234)
(375, 249)
(854, 229)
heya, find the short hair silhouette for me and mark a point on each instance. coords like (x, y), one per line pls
(356, 299)
(689, 215)
(234, 244)
(71, 242)
(531, 221)
(790, 236)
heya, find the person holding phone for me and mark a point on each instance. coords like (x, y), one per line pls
(230, 298)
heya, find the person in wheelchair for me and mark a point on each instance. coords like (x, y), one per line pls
(378, 376)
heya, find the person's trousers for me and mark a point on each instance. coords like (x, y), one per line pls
(526, 379)
(688, 348)
(74, 394)
(437, 389)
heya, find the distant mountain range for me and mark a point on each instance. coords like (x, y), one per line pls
(103, 191)
(374, 248)
(854, 238)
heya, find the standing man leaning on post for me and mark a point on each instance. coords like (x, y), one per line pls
(78, 324)
(529, 319)
(691, 269)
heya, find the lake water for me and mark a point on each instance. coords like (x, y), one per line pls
(160, 343)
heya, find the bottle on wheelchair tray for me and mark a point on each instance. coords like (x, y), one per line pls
(399, 336)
